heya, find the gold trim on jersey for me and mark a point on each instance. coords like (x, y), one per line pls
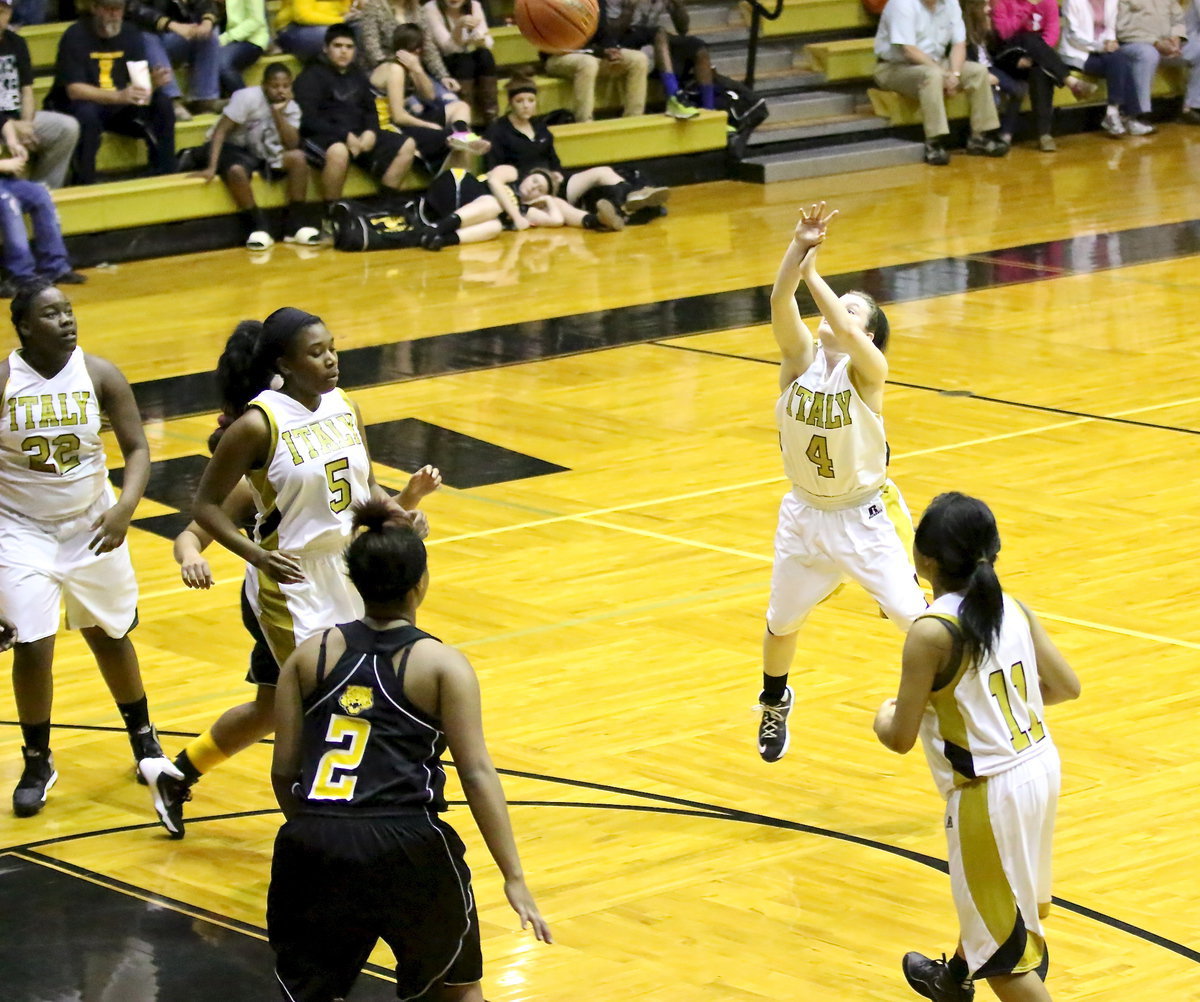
(952, 727)
(275, 618)
(899, 514)
(986, 880)
(260, 481)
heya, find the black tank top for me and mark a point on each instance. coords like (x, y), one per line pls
(367, 750)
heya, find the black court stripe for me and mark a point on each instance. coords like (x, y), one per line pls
(679, 807)
(965, 394)
(559, 337)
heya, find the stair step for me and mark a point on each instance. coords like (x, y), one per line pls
(833, 125)
(705, 17)
(796, 164)
(795, 108)
(770, 59)
(786, 82)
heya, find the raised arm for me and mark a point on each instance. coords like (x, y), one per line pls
(793, 337)
(458, 698)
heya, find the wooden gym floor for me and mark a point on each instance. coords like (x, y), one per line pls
(602, 406)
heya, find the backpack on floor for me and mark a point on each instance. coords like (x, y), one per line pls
(359, 228)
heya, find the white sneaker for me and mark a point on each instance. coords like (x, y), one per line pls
(259, 240)
(1113, 125)
(1138, 128)
(306, 236)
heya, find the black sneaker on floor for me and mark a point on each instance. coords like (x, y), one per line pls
(936, 155)
(772, 729)
(145, 745)
(986, 146)
(37, 778)
(933, 979)
(168, 790)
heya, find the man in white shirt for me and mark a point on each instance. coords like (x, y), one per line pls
(921, 48)
(259, 130)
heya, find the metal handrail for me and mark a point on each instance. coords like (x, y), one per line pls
(757, 13)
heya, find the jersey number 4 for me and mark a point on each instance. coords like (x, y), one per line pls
(335, 779)
(818, 452)
(999, 688)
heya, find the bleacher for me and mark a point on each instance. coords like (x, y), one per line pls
(124, 204)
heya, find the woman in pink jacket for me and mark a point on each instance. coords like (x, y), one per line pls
(1026, 35)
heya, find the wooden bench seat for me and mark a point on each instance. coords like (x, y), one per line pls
(148, 201)
(843, 60)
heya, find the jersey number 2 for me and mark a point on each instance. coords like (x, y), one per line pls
(998, 687)
(64, 448)
(326, 784)
(339, 486)
(818, 452)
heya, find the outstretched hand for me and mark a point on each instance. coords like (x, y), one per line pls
(813, 226)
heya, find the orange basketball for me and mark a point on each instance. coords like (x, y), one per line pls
(557, 25)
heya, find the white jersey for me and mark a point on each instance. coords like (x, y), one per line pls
(989, 718)
(317, 469)
(834, 446)
(52, 462)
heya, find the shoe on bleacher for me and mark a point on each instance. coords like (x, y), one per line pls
(181, 112)
(259, 240)
(305, 236)
(1136, 127)
(70, 277)
(37, 778)
(168, 791)
(1082, 89)
(934, 980)
(678, 109)
(1113, 125)
(468, 142)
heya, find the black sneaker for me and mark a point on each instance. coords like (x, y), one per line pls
(772, 729)
(37, 778)
(986, 146)
(168, 790)
(936, 155)
(934, 980)
(145, 745)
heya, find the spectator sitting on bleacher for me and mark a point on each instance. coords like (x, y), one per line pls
(259, 130)
(602, 57)
(47, 138)
(1191, 55)
(301, 25)
(639, 26)
(1150, 31)
(522, 145)
(244, 38)
(921, 52)
(91, 82)
(183, 32)
(1089, 43)
(460, 31)
(376, 22)
(48, 256)
(410, 101)
(1026, 35)
(339, 122)
(1009, 92)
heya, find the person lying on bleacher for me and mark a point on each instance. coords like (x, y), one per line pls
(47, 138)
(339, 122)
(92, 83)
(47, 258)
(259, 132)
(182, 33)
(921, 52)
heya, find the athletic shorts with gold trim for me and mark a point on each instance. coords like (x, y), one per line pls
(998, 831)
(44, 565)
(291, 613)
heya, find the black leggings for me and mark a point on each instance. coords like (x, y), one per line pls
(471, 65)
(1047, 72)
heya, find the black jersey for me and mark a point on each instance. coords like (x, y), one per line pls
(366, 749)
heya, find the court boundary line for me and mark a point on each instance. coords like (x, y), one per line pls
(679, 807)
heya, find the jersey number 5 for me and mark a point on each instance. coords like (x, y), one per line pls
(818, 452)
(337, 476)
(998, 687)
(326, 784)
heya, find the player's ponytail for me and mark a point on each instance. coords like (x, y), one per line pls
(386, 558)
(239, 376)
(959, 534)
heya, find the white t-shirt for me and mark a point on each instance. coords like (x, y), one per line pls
(255, 128)
(910, 22)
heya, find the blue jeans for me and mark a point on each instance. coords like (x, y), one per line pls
(29, 12)
(1115, 71)
(1141, 61)
(235, 57)
(48, 256)
(203, 58)
(304, 41)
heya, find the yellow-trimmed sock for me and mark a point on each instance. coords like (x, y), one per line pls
(203, 755)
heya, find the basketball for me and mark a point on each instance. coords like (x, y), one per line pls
(556, 25)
